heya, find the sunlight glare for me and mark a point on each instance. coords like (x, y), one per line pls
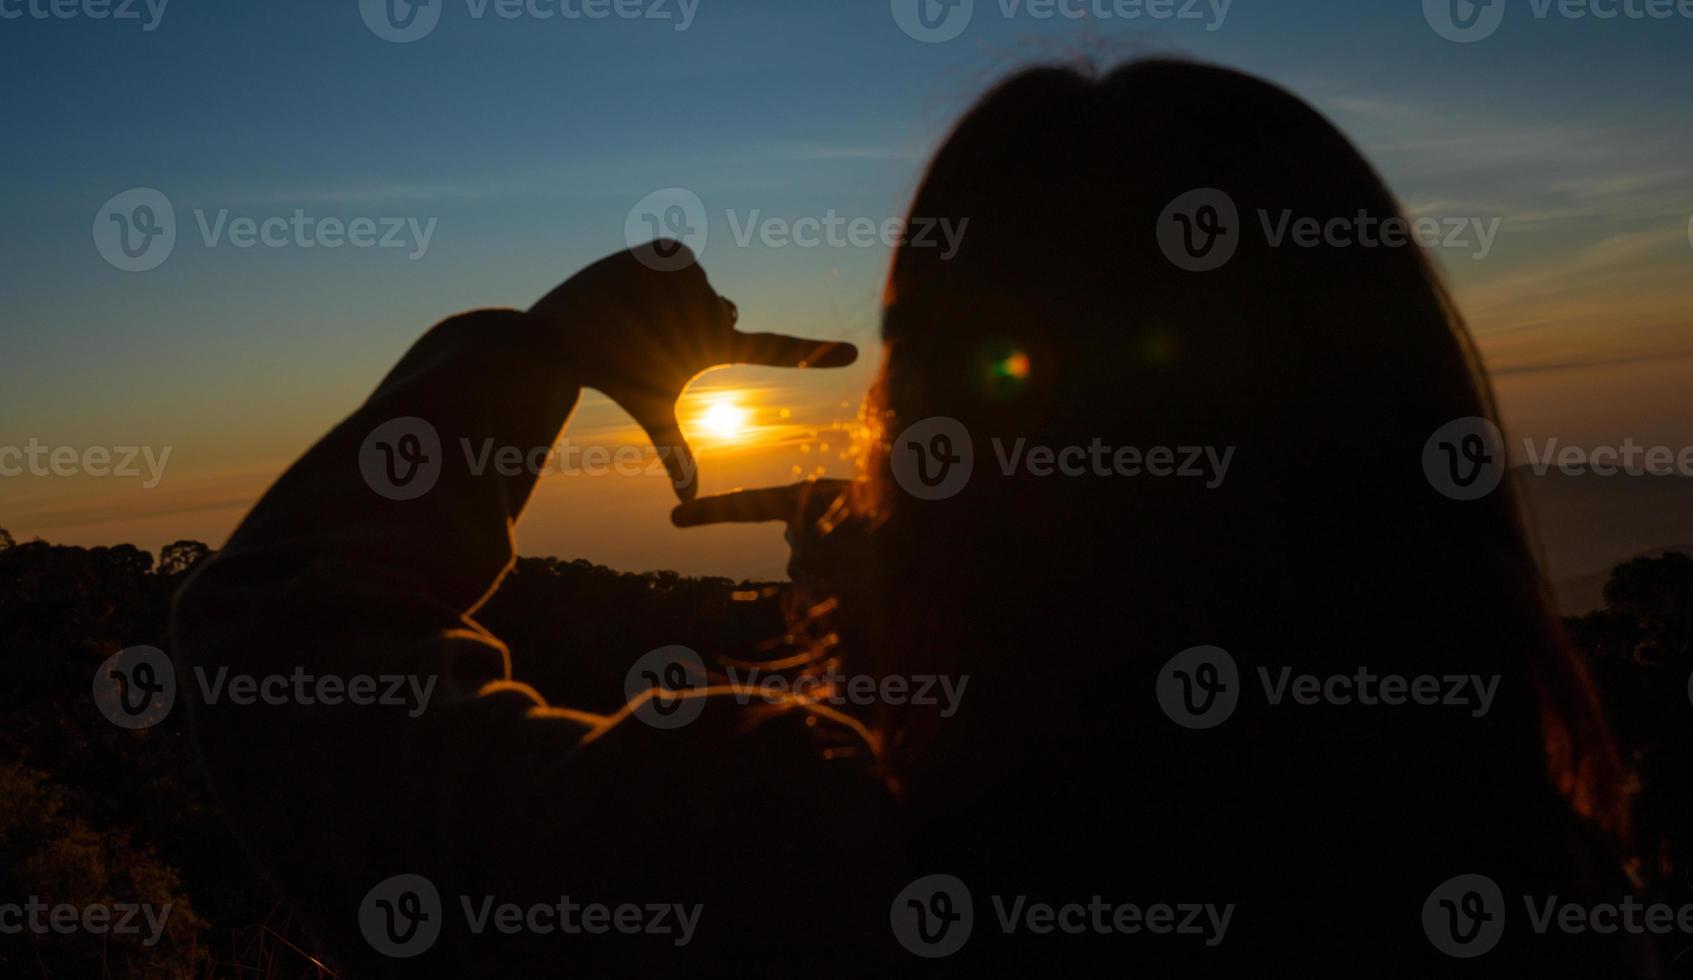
(724, 419)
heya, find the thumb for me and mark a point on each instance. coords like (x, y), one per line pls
(666, 435)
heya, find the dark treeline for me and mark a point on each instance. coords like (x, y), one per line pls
(94, 813)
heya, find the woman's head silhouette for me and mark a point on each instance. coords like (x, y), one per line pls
(1129, 279)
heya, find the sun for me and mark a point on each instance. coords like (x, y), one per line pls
(724, 420)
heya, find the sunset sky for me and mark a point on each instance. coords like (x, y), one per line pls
(528, 141)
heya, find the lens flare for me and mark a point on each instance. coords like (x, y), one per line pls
(1015, 366)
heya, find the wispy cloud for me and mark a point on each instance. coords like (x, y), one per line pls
(1531, 173)
(830, 151)
(1592, 269)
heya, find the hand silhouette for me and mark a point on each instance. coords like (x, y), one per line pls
(830, 548)
(643, 323)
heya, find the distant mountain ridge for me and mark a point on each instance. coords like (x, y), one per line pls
(1589, 524)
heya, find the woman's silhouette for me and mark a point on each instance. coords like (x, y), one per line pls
(1319, 832)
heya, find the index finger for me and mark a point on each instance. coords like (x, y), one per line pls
(780, 350)
(752, 506)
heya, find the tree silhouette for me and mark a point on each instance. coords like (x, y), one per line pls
(1656, 594)
(89, 808)
(49, 852)
(180, 557)
(1638, 653)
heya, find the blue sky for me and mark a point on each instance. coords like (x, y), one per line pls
(527, 141)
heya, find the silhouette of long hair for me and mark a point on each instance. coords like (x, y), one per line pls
(1062, 322)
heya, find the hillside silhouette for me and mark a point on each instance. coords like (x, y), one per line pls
(96, 812)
